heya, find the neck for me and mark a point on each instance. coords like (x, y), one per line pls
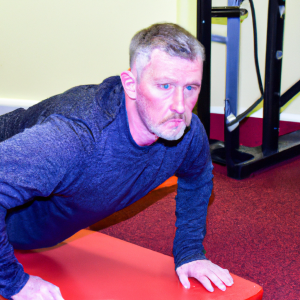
(138, 130)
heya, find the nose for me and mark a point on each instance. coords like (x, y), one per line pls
(178, 102)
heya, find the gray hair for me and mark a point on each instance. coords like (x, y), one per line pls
(167, 37)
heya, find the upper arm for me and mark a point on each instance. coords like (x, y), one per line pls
(197, 166)
(35, 161)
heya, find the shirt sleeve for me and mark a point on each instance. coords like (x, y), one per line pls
(193, 193)
(34, 163)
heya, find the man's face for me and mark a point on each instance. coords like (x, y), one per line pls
(167, 92)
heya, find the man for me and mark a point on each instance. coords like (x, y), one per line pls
(78, 157)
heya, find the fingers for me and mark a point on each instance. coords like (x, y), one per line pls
(47, 295)
(56, 294)
(50, 291)
(184, 279)
(38, 289)
(228, 280)
(210, 276)
(223, 275)
(205, 272)
(205, 282)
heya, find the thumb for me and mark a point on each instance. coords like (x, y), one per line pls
(184, 280)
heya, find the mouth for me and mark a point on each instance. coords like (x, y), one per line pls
(175, 122)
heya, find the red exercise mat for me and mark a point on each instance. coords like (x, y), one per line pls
(100, 267)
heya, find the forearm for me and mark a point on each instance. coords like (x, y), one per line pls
(12, 275)
(191, 211)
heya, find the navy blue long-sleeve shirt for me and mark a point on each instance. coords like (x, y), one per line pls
(70, 161)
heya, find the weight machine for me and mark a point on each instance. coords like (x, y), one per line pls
(241, 161)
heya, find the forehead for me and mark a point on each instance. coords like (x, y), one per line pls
(163, 65)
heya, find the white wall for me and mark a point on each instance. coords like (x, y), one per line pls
(51, 45)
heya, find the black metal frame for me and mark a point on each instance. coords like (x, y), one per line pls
(227, 12)
(272, 79)
(241, 161)
(204, 36)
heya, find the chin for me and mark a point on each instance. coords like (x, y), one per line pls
(172, 136)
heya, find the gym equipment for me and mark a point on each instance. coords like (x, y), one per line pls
(241, 161)
(99, 267)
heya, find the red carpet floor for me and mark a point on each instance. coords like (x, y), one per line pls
(253, 226)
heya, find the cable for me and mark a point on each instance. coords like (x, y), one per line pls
(255, 47)
(258, 101)
(241, 116)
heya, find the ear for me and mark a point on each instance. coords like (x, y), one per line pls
(129, 84)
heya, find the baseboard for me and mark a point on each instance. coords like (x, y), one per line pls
(259, 114)
(250, 129)
(7, 104)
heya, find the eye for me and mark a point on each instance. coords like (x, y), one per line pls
(189, 87)
(165, 86)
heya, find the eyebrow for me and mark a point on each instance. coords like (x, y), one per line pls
(173, 80)
(195, 83)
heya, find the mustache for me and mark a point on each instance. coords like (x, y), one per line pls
(174, 117)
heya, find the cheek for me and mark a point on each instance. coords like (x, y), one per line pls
(191, 102)
(149, 94)
(151, 106)
(157, 96)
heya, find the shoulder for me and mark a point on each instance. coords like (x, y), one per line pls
(197, 156)
(197, 125)
(109, 97)
(106, 95)
(94, 105)
(196, 134)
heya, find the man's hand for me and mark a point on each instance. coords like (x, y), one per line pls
(204, 271)
(38, 289)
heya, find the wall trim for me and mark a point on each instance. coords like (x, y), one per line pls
(7, 104)
(258, 114)
(17, 102)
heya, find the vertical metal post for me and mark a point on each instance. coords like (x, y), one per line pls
(273, 78)
(204, 36)
(232, 60)
(232, 83)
